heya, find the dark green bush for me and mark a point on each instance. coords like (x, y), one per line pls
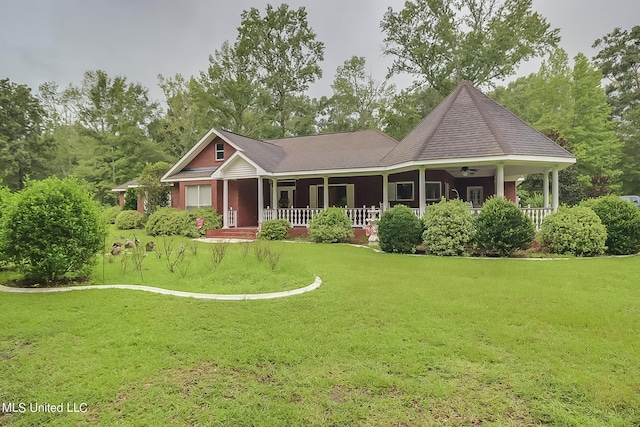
(211, 220)
(576, 230)
(109, 214)
(167, 222)
(129, 220)
(274, 229)
(331, 225)
(399, 230)
(622, 220)
(449, 228)
(53, 227)
(130, 200)
(502, 228)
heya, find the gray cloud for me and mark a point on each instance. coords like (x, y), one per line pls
(60, 40)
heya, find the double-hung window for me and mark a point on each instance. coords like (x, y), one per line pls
(198, 196)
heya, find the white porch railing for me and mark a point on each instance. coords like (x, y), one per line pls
(361, 217)
(300, 217)
(232, 218)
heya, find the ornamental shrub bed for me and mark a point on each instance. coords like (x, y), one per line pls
(211, 220)
(622, 221)
(129, 220)
(449, 228)
(574, 230)
(502, 228)
(274, 229)
(331, 225)
(166, 222)
(399, 230)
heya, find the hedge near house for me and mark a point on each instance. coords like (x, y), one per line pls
(331, 225)
(5, 201)
(129, 220)
(622, 221)
(274, 229)
(448, 227)
(399, 230)
(52, 228)
(576, 231)
(502, 228)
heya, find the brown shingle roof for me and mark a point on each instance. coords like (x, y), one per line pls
(470, 124)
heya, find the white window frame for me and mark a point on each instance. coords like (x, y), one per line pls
(393, 191)
(219, 151)
(439, 195)
(200, 204)
(481, 193)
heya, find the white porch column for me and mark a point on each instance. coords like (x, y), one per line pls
(385, 191)
(274, 194)
(500, 180)
(260, 199)
(555, 190)
(225, 203)
(422, 189)
(325, 201)
(545, 189)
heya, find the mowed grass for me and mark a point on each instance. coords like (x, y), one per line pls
(386, 340)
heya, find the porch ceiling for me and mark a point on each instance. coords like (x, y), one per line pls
(511, 172)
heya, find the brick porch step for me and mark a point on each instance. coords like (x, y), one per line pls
(233, 233)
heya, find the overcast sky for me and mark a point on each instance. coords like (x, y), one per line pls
(58, 40)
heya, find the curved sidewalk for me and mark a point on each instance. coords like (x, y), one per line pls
(221, 297)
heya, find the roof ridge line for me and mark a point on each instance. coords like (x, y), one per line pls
(502, 142)
(446, 104)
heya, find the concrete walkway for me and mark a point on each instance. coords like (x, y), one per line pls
(222, 297)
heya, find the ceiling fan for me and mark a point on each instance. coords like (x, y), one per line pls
(466, 171)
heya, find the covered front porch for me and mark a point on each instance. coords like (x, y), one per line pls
(365, 196)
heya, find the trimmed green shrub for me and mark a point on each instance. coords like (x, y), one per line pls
(167, 222)
(576, 230)
(211, 220)
(399, 230)
(129, 220)
(449, 228)
(331, 225)
(53, 227)
(502, 228)
(622, 220)
(274, 229)
(109, 214)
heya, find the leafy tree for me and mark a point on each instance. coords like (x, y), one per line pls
(358, 100)
(283, 49)
(156, 193)
(24, 149)
(408, 108)
(445, 41)
(569, 105)
(231, 90)
(185, 120)
(53, 228)
(619, 59)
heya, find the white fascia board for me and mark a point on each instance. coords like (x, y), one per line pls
(218, 174)
(191, 154)
(487, 160)
(204, 178)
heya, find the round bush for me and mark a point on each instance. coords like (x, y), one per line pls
(211, 220)
(331, 225)
(576, 230)
(622, 221)
(53, 227)
(167, 222)
(502, 228)
(448, 228)
(109, 214)
(274, 229)
(399, 230)
(129, 220)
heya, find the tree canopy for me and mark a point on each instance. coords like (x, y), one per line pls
(442, 42)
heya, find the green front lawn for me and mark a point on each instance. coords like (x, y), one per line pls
(386, 340)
